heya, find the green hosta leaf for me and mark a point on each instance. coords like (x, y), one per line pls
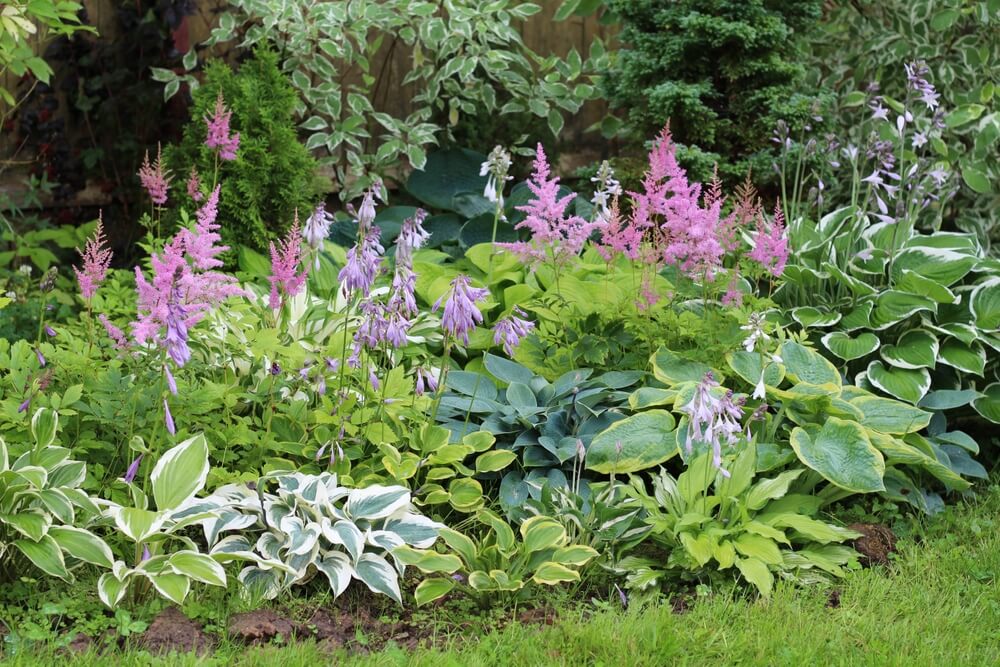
(908, 385)
(889, 416)
(44, 424)
(755, 571)
(747, 365)
(432, 589)
(841, 452)
(768, 489)
(847, 348)
(942, 265)
(646, 438)
(376, 502)
(466, 494)
(948, 399)
(198, 566)
(805, 365)
(976, 179)
(893, 306)
(985, 303)
(914, 349)
(807, 316)
(542, 532)
(814, 530)
(913, 282)
(550, 574)
(671, 369)
(700, 547)
(172, 586)
(180, 473)
(379, 576)
(756, 546)
(966, 358)
(45, 554)
(989, 405)
(82, 545)
(495, 460)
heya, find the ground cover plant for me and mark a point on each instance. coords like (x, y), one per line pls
(466, 399)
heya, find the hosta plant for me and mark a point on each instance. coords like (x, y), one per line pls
(43, 511)
(312, 525)
(501, 566)
(762, 527)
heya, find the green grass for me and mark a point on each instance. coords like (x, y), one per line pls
(938, 605)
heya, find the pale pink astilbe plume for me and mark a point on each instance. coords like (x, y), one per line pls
(116, 334)
(154, 178)
(182, 289)
(285, 260)
(194, 186)
(554, 236)
(770, 243)
(96, 262)
(619, 236)
(218, 136)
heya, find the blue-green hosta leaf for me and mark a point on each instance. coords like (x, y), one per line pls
(906, 384)
(198, 566)
(914, 349)
(847, 348)
(747, 365)
(376, 502)
(842, 453)
(985, 303)
(963, 464)
(347, 534)
(44, 554)
(180, 473)
(943, 266)
(948, 399)
(807, 316)
(859, 318)
(913, 282)
(338, 570)
(671, 369)
(803, 364)
(83, 545)
(966, 358)
(893, 306)
(898, 452)
(989, 404)
(890, 416)
(379, 576)
(646, 439)
(505, 370)
(958, 439)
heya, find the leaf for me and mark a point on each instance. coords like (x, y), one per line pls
(915, 349)
(889, 416)
(747, 365)
(966, 358)
(576, 555)
(495, 460)
(445, 174)
(811, 529)
(376, 502)
(893, 306)
(506, 370)
(111, 589)
(466, 494)
(542, 532)
(841, 452)
(199, 567)
(379, 576)
(805, 365)
(768, 489)
(550, 574)
(646, 439)
(989, 404)
(976, 180)
(32, 524)
(948, 399)
(426, 560)
(847, 348)
(944, 266)
(137, 524)
(432, 589)
(671, 369)
(908, 385)
(82, 545)
(172, 586)
(338, 570)
(985, 304)
(180, 473)
(44, 554)
(756, 572)
(757, 546)
(44, 423)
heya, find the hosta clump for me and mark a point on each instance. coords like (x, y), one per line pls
(42, 508)
(762, 527)
(310, 524)
(550, 425)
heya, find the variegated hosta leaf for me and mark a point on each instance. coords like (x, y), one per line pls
(808, 316)
(943, 266)
(338, 570)
(908, 385)
(300, 537)
(379, 576)
(180, 473)
(377, 502)
(847, 348)
(111, 587)
(914, 349)
(985, 304)
(415, 529)
(265, 583)
(910, 281)
(989, 404)
(347, 534)
(384, 539)
(83, 545)
(842, 453)
(44, 554)
(138, 525)
(198, 566)
(966, 358)
(893, 306)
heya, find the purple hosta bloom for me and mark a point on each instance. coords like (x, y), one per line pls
(133, 470)
(96, 262)
(402, 299)
(755, 331)
(879, 112)
(168, 418)
(364, 261)
(145, 553)
(321, 385)
(194, 186)
(411, 237)
(426, 381)
(608, 188)
(218, 136)
(171, 382)
(373, 379)
(177, 331)
(916, 82)
(396, 329)
(317, 229)
(285, 260)
(460, 312)
(49, 331)
(24, 406)
(713, 421)
(939, 175)
(154, 178)
(275, 368)
(511, 329)
(40, 357)
(332, 365)
(496, 169)
(622, 597)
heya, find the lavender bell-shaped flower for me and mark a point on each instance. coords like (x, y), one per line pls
(168, 418)
(24, 406)
(133, 469)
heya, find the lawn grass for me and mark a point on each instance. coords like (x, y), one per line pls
(939, 604)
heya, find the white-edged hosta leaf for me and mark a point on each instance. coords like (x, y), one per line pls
(376, 502)
(383, 539)
(347, 534)
(44, 424)
(842, 453)
(808, 316)
(859, 318)
(913, 282)
(301, 538)
(906, 384)
(45, 554)
(847, 348)
(33, 524)
(415, 529)
(138, 525)
(985, 304)
(59, 504)
(958, 330)
(943, 266)
(198, 566)
(111, 589)
(894, 306)
(966, 358)
(379, 576)
(267, 583)
(338, 570)
(915, 349)
(180, 473)
(82, 545)
(170, 585)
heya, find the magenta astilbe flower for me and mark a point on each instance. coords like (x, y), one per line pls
(218, 136)
(194, 186)
(460, 312)
(511, 329)
(554, 236)
(116, 334)
(770, 243)
(96, 262)
(285, 260)
(154, 179)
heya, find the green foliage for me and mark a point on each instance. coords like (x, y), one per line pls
(273, 177)
(722, 73)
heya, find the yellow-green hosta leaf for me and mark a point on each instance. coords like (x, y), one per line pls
(768, 489)
(550, 574)
(817, 531)
(747, 365)
(635, 443)
(890, 416)
(842, 453)
(577, 555)
(755, 571)
(724, 554)
(542, 532)
(427, 560)
(806, 365)
(432, 589)
(466, 494)
(758, 546)
(648, 397)
(496, 460)
(898, 452)
(700, 547)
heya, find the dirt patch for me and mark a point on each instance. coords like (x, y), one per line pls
(172, 631)
(875, 544)
(81, 643)
(537, 616)
(833, 599)
(262, 626)
(681, 604)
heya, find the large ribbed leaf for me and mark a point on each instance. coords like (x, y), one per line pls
(635, 443)
(841, 452)
(906, 384)
(803, 364)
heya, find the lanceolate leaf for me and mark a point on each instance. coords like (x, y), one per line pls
(45, 554)
(180, 473)
(379, 576)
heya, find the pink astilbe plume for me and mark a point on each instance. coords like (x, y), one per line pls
(182, 290)
(194, 186)
(96, 261)
(619, 236)
(218, 136)
(154, 178)
(770, 243)
(285, 260)
(554, 236)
